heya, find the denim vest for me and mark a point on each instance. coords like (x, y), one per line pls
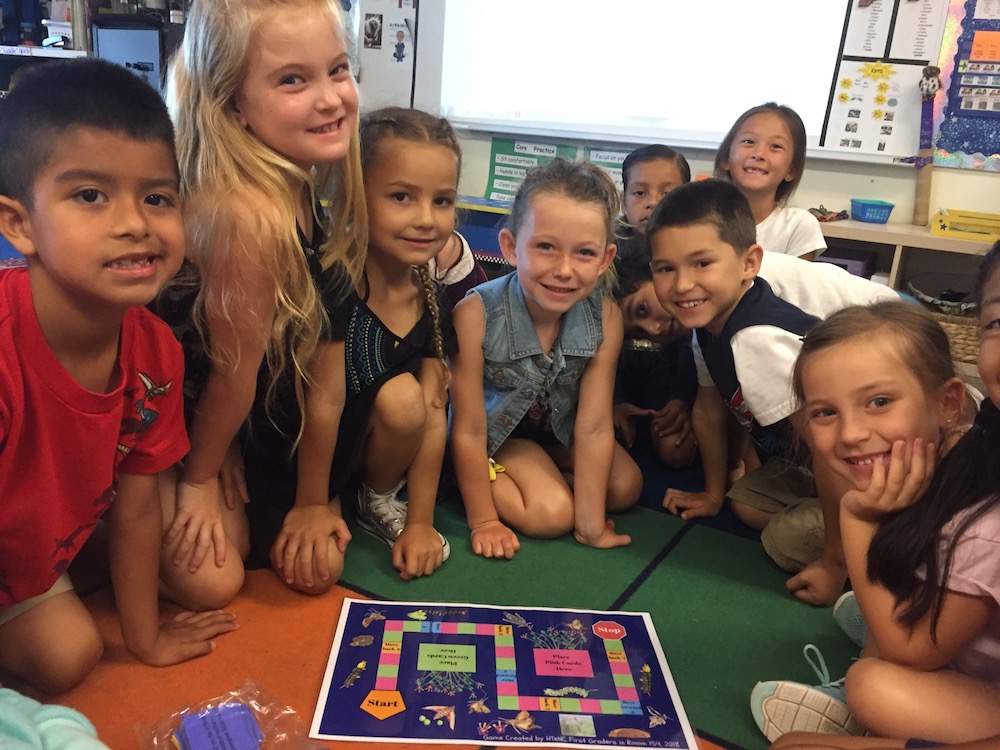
(515, 368)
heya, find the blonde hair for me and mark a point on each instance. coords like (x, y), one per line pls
(224, 172)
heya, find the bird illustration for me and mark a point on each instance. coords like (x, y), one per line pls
(154, 389)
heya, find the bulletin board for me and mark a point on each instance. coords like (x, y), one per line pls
(969, 131)
(875, 100)
(511, 158)
(387, 52)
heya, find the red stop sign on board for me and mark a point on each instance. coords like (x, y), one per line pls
(609, 631)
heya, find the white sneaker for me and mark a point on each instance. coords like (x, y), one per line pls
(383, 515)
(782, 706)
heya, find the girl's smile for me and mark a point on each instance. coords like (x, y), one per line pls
(410, 193)
(560, 252)
(860, 399)
(298, 95)
(760, 158)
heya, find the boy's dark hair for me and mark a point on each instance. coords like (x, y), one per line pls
(795, 127)
(54, 97)
(654, 152)
(631, 266)
(715, 202)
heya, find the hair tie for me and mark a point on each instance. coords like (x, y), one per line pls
(988, 417)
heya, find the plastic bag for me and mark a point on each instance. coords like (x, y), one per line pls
(243, 719)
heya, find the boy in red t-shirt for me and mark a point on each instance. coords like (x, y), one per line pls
(90, 382)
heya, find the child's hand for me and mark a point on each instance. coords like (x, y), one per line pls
(896, 486)
(674, 420)
(186, 636)
(418, 551)
(606, 539)
(494, 539)
(197, 525)
(690, 505)
(624, 428)
(301, 551)
(819, 583)
(232, 481)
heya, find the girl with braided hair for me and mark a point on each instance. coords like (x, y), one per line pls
(375, 406)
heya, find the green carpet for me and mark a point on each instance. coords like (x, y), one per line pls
(718, 604)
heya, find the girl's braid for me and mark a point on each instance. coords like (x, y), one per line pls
(431, 300)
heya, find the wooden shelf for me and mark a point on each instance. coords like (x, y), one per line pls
(901, 238)
(907, 235)
(18, 51)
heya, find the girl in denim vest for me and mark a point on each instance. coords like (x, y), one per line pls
(532, 433)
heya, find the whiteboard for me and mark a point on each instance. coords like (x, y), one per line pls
(640, 71)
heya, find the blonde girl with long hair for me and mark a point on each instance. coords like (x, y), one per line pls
(265, 107)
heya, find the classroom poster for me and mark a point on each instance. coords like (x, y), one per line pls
(969, 133)
(462, 673)
(510, 160)
(610, 161)
(876, 108)
(386, 56)
(875, 100)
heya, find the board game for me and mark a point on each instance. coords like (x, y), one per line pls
(463, 673)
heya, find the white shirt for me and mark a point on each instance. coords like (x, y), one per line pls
(791, 231)
(764, 355)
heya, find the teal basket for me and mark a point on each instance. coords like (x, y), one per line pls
(874, 212)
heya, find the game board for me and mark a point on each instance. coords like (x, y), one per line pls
(498, 675)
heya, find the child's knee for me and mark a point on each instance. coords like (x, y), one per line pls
(335, 568)
(794, 537)
(755, 518)
(53, 647)
(70, 661)
(624, 484)
(399, 406)
(676, 456)
(862, 684)
(549, 519)
(209, 588)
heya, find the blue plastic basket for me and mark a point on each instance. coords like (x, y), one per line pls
(874, 212)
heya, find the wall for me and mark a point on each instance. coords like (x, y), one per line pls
(832, 183)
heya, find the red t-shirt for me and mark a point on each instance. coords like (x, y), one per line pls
(62, 446)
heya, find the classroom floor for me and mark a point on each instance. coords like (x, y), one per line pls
(718, 605)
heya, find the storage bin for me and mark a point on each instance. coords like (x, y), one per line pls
(873, 212)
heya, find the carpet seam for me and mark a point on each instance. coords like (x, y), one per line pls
(647, 571)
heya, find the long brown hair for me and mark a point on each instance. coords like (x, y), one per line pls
(417, 127)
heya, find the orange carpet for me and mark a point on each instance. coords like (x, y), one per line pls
(282, 644)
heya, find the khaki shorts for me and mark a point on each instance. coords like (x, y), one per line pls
(794, 537)
(61, 585)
